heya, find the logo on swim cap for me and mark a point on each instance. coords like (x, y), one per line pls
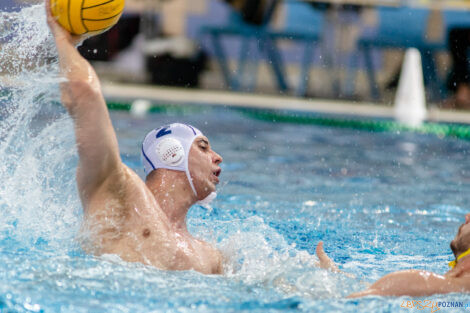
(164, 131)
(170, 152)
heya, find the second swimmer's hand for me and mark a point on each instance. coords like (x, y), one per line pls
(60, 34)
(325, 261)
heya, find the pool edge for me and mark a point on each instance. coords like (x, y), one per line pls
(274, 102)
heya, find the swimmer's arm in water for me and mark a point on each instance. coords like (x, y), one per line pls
(413, 283)
(324, 260)
(327, 263)
(81, 95)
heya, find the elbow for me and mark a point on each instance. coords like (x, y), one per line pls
(79, 92)
(81, 87)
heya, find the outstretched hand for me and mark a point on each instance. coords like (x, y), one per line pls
(325, 261)
(60, 34)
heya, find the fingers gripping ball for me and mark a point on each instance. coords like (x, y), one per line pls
(87, 16)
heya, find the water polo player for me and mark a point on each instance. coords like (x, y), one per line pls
(417, 283)
(139, 221)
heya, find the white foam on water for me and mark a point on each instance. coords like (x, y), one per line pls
(38, 198)
(257, 255)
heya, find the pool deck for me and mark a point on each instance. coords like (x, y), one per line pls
(236, 99)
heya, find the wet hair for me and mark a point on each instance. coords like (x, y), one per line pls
(460, 244)
(453, 247)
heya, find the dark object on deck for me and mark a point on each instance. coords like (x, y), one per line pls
(168, 70)
(323, 6)
(459, 44)
(103, 47)
(252, 11)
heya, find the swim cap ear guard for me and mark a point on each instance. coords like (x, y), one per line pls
(168, 147)
(170, 151)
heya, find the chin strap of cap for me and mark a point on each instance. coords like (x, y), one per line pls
(452, 264)
(207, 200)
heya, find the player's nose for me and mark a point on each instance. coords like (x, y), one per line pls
(217, 158)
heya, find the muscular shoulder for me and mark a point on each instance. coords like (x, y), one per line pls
(117, 203)
(122, 186)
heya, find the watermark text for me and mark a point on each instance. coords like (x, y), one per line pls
(421, 305)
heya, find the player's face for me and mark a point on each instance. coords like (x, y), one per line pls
(204, 167)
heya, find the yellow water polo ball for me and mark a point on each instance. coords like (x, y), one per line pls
(87, 16)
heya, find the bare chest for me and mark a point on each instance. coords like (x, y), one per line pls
(135, 228)
(172, 251)
(151, 240)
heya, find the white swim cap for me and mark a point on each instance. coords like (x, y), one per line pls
(168, 147)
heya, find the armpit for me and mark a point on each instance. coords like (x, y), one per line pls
(105, 225)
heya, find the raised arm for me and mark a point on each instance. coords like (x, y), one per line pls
(81, 95)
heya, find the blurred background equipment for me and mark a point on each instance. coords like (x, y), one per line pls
(255, 27)
(348, 49)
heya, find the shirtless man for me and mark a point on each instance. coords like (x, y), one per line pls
(417, 283)
(139, 221)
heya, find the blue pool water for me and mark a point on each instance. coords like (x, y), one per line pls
(380, 202)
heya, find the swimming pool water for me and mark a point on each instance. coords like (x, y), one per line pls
(380, 202)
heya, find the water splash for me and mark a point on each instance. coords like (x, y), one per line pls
(38, 199)
(258, 255)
